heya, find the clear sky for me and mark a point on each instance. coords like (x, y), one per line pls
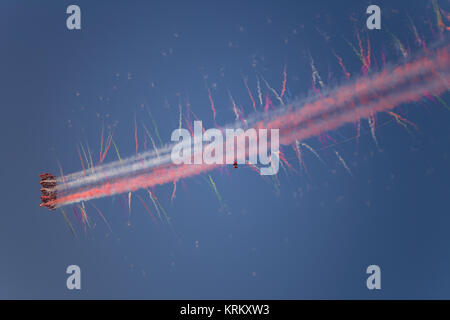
(312, 236)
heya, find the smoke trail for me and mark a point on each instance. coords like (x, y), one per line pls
(344, 164)
(299, 120)
(275, 93)
(283, 84)
(258, 85)
(372, 130)
(249, 93)
(314, 152)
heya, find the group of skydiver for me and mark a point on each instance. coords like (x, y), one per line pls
(48, 191)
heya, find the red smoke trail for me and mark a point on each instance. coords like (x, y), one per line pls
(101, 143)
(174, 190)
(249, 93)
(341, 63)
(82, 162)
(213, 108)
(346, 104)
(135, 133)
(283, 85)
(146, 207)
(106, 149)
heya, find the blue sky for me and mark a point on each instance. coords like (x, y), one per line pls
(314, 238)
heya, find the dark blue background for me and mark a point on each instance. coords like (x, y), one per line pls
(313, 239)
